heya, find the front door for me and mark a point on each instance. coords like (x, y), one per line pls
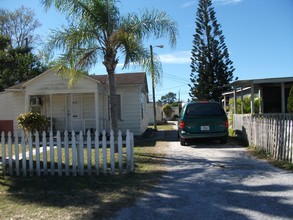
(77, 113)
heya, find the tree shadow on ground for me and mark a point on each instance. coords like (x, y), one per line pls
(151, 137)
(79, 197)
(204, 188)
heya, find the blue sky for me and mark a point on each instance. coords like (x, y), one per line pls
(258, 33)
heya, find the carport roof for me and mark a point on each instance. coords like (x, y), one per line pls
(249, 82)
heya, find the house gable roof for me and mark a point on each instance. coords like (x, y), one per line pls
(123, 78)
(24, 84)
(138, 78)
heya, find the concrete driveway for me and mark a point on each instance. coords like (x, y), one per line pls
(208, 180)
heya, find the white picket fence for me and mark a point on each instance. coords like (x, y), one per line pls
(66, 154)
(272, 133)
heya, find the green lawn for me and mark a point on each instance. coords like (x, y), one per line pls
(78, 197)
(166, 127)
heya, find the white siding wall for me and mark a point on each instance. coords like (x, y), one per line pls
(103, 110)
(131, 109)
(58, 112)
(89, 111)
(6, 112)
(150, 112)
(144, 117)
(89, 107)
(11, 106)
(18, 108)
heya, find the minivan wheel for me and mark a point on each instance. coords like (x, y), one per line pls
(182, 141)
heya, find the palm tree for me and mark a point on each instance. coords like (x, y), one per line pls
(98, 31)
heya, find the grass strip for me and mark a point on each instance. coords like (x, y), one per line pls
(87, 197)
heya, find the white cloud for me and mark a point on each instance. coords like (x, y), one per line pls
(188, 4)
(179, 57)
(226, 2)
(219, 2)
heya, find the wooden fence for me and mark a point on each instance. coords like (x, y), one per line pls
(66, 154)
(272, 133)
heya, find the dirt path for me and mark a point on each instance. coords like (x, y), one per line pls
(211, 181)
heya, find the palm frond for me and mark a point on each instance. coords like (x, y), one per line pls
(151, 23)
(64, 67)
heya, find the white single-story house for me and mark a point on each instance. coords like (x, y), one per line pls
(80, 108)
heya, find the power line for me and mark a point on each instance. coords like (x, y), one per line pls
(171, 87)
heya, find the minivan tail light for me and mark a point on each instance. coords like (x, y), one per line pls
(226, 124)
(181, 124)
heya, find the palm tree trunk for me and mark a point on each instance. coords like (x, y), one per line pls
(112, 102)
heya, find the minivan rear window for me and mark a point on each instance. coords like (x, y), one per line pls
(204, 109)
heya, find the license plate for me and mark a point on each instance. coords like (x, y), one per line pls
(204, 128)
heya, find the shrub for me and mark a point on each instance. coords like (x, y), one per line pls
(246, 105)
(290, 101)
(32, 121)
(167, 109)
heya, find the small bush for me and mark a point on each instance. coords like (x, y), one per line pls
(167, 109)
(246, 105)
(290, 101)
(32, 121)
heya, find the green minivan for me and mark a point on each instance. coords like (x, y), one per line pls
(202, 119)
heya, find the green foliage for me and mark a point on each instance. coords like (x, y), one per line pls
(17, 64)
(167, 109)
(169, 98)
(211, 68)
(32, 121)
(290, 101)
(246, 105)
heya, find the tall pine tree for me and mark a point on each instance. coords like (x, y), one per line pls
(211, 68)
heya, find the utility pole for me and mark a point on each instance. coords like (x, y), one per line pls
(153, 84)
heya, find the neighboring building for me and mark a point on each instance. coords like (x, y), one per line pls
(160, 115)
(273, 93)
(150, 112)
(80, 108)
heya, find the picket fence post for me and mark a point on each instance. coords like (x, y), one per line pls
(112, 151)
(23, 150)
(104, 148)
(38, 154)
(89, 154)
(120, 152)
(16, 154)
(66, 146)
(130, 151)
(59, 154)
(10, 153)
(80, 155)
(44, 143)
(97, 154)
(74, 153)
(3, 152)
